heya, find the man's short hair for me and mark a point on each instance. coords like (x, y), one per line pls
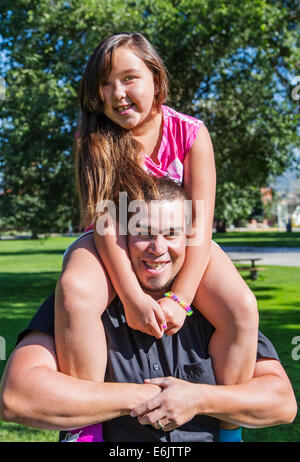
(166, 189)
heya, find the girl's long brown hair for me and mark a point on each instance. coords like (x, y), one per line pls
(107, 158)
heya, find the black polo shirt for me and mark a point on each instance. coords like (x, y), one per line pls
(134, 356)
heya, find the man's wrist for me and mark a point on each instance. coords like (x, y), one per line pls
(203, 398)
(141, 394)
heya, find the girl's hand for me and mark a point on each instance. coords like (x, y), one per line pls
(175, 315)
(146, 315)
(173, 407)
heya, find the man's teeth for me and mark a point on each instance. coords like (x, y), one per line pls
(155, 265)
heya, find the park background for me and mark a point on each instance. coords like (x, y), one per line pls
(232, 64)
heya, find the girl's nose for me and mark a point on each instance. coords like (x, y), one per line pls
(119, 91)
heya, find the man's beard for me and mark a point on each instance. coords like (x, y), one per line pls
(158, 288)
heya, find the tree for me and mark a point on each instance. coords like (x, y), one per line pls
(230, 63)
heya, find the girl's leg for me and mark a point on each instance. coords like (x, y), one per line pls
(226, 301)
(82, 294)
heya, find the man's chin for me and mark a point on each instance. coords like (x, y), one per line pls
(156, 289)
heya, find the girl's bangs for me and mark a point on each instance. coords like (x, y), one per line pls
(105, 65)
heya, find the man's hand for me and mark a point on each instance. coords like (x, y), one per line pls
(173, 407)
(146, 315)
(174, 313)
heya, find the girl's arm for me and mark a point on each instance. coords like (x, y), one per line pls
(200, 184)
(142, 311)
(82, 293)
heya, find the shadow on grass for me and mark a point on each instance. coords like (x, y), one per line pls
(257, 290)
(11, 432)
(273, 239)
(21, 295)
(8, 426)
(281, 326)
(33, 252)
(16, 285)
(264, 288)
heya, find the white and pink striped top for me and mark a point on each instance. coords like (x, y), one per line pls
(179, 134)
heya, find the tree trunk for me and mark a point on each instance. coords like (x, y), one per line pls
(221, 226)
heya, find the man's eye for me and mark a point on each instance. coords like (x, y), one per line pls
(172, 234)
(139, 232)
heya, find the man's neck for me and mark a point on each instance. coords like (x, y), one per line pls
(157, 294)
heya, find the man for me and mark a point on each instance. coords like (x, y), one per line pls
(181, 402)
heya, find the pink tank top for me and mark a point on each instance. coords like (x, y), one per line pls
(179, 134)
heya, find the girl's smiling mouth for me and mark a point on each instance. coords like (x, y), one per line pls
(124, 109)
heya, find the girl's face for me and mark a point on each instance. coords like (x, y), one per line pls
(128, 93)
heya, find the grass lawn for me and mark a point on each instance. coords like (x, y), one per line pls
(258, 239)
(28, 274)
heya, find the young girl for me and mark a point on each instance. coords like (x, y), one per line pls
(126, 133)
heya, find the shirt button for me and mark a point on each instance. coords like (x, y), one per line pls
(156, 367)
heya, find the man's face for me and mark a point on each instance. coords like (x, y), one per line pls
(157, 245)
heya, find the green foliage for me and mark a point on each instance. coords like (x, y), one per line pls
(231, 65)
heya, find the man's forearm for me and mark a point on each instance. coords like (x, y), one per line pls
(187, 280)
(260, 402)
(48, 399)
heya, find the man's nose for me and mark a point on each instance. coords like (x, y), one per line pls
(158, 245)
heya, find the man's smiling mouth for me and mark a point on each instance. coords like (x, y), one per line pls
(159, 266)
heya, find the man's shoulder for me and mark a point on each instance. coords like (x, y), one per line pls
(265, 348)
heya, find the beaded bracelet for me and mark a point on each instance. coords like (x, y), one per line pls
(174, 297)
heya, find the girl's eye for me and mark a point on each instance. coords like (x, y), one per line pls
(128, 78)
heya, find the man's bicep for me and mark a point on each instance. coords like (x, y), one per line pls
(36, 349)
(269, 366)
